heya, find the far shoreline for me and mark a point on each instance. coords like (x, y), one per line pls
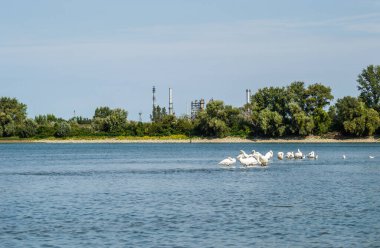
(163, 140)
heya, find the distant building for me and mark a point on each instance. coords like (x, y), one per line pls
(197, 106)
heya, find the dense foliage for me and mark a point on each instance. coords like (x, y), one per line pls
(294, 110)
(291, 110)
(369, 86)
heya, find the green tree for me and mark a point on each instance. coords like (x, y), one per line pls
(355, 118)
(117, 121)
(46, 125)
(62, 129)
(48, 119)
(165, 127)
(235, 120)
(272, 98)
(158, 113)
(297, 93)
(216, 109)
(301, 124)
(12, 113)
(322, 121)
(134, 128)
(348, 108)
(334, 118)
(217, 128)
(372, 121)
(271, 123)
(27, 129)
(212, 121)
(369, 86)
(318, 96)
(110, 120)
(185, 125)
(9, 129)
(102, 112)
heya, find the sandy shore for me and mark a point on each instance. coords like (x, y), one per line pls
(198, 140)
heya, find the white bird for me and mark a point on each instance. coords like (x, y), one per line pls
(269, 155)
(344, 156)
(289, 155)
(312, 155)
(298, 154)
(371, 157)
(249, 161)
(228, 161)
(254, 153)
(280, 155)
(243, 155)
(262, 159)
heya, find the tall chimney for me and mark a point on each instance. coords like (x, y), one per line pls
(248, 96)
(154, 97)
(170, 101)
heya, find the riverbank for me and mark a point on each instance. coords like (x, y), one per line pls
(311, 139)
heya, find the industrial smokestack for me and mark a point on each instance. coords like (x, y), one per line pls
(154, 97)
(170, 101)
(248, 96)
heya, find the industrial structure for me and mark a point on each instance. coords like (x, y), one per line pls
(197, 106)
(248, 96)
(171, 111)
(154, 97)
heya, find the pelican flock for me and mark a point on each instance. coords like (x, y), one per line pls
(256, 159)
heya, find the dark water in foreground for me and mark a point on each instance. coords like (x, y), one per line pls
(175, 195)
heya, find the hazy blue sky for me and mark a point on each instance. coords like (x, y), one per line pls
(65, 55)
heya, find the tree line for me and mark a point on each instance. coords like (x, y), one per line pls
(293, 110)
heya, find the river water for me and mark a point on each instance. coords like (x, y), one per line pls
(175, 195)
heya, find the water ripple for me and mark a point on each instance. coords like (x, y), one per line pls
(73, 195)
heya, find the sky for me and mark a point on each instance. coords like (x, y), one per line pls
(76, 55)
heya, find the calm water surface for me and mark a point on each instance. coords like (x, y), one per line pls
(175, 195)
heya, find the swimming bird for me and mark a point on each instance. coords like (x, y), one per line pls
(254, 153)
(248, 161)
(263, 160)
(298, 154)
(312, 155)
(269, 155)
(289, 155)
(228, 161)
(280, 155)
(243, 154)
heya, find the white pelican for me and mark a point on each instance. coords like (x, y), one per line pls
(298, 154)
(263, 160)
(228, 161)
(254, 153)
(289, 155)
(312, 155)
(269, 155)
(249, 161)
(344, 156)
(371, 157)
(280, 155)
(243, 155)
